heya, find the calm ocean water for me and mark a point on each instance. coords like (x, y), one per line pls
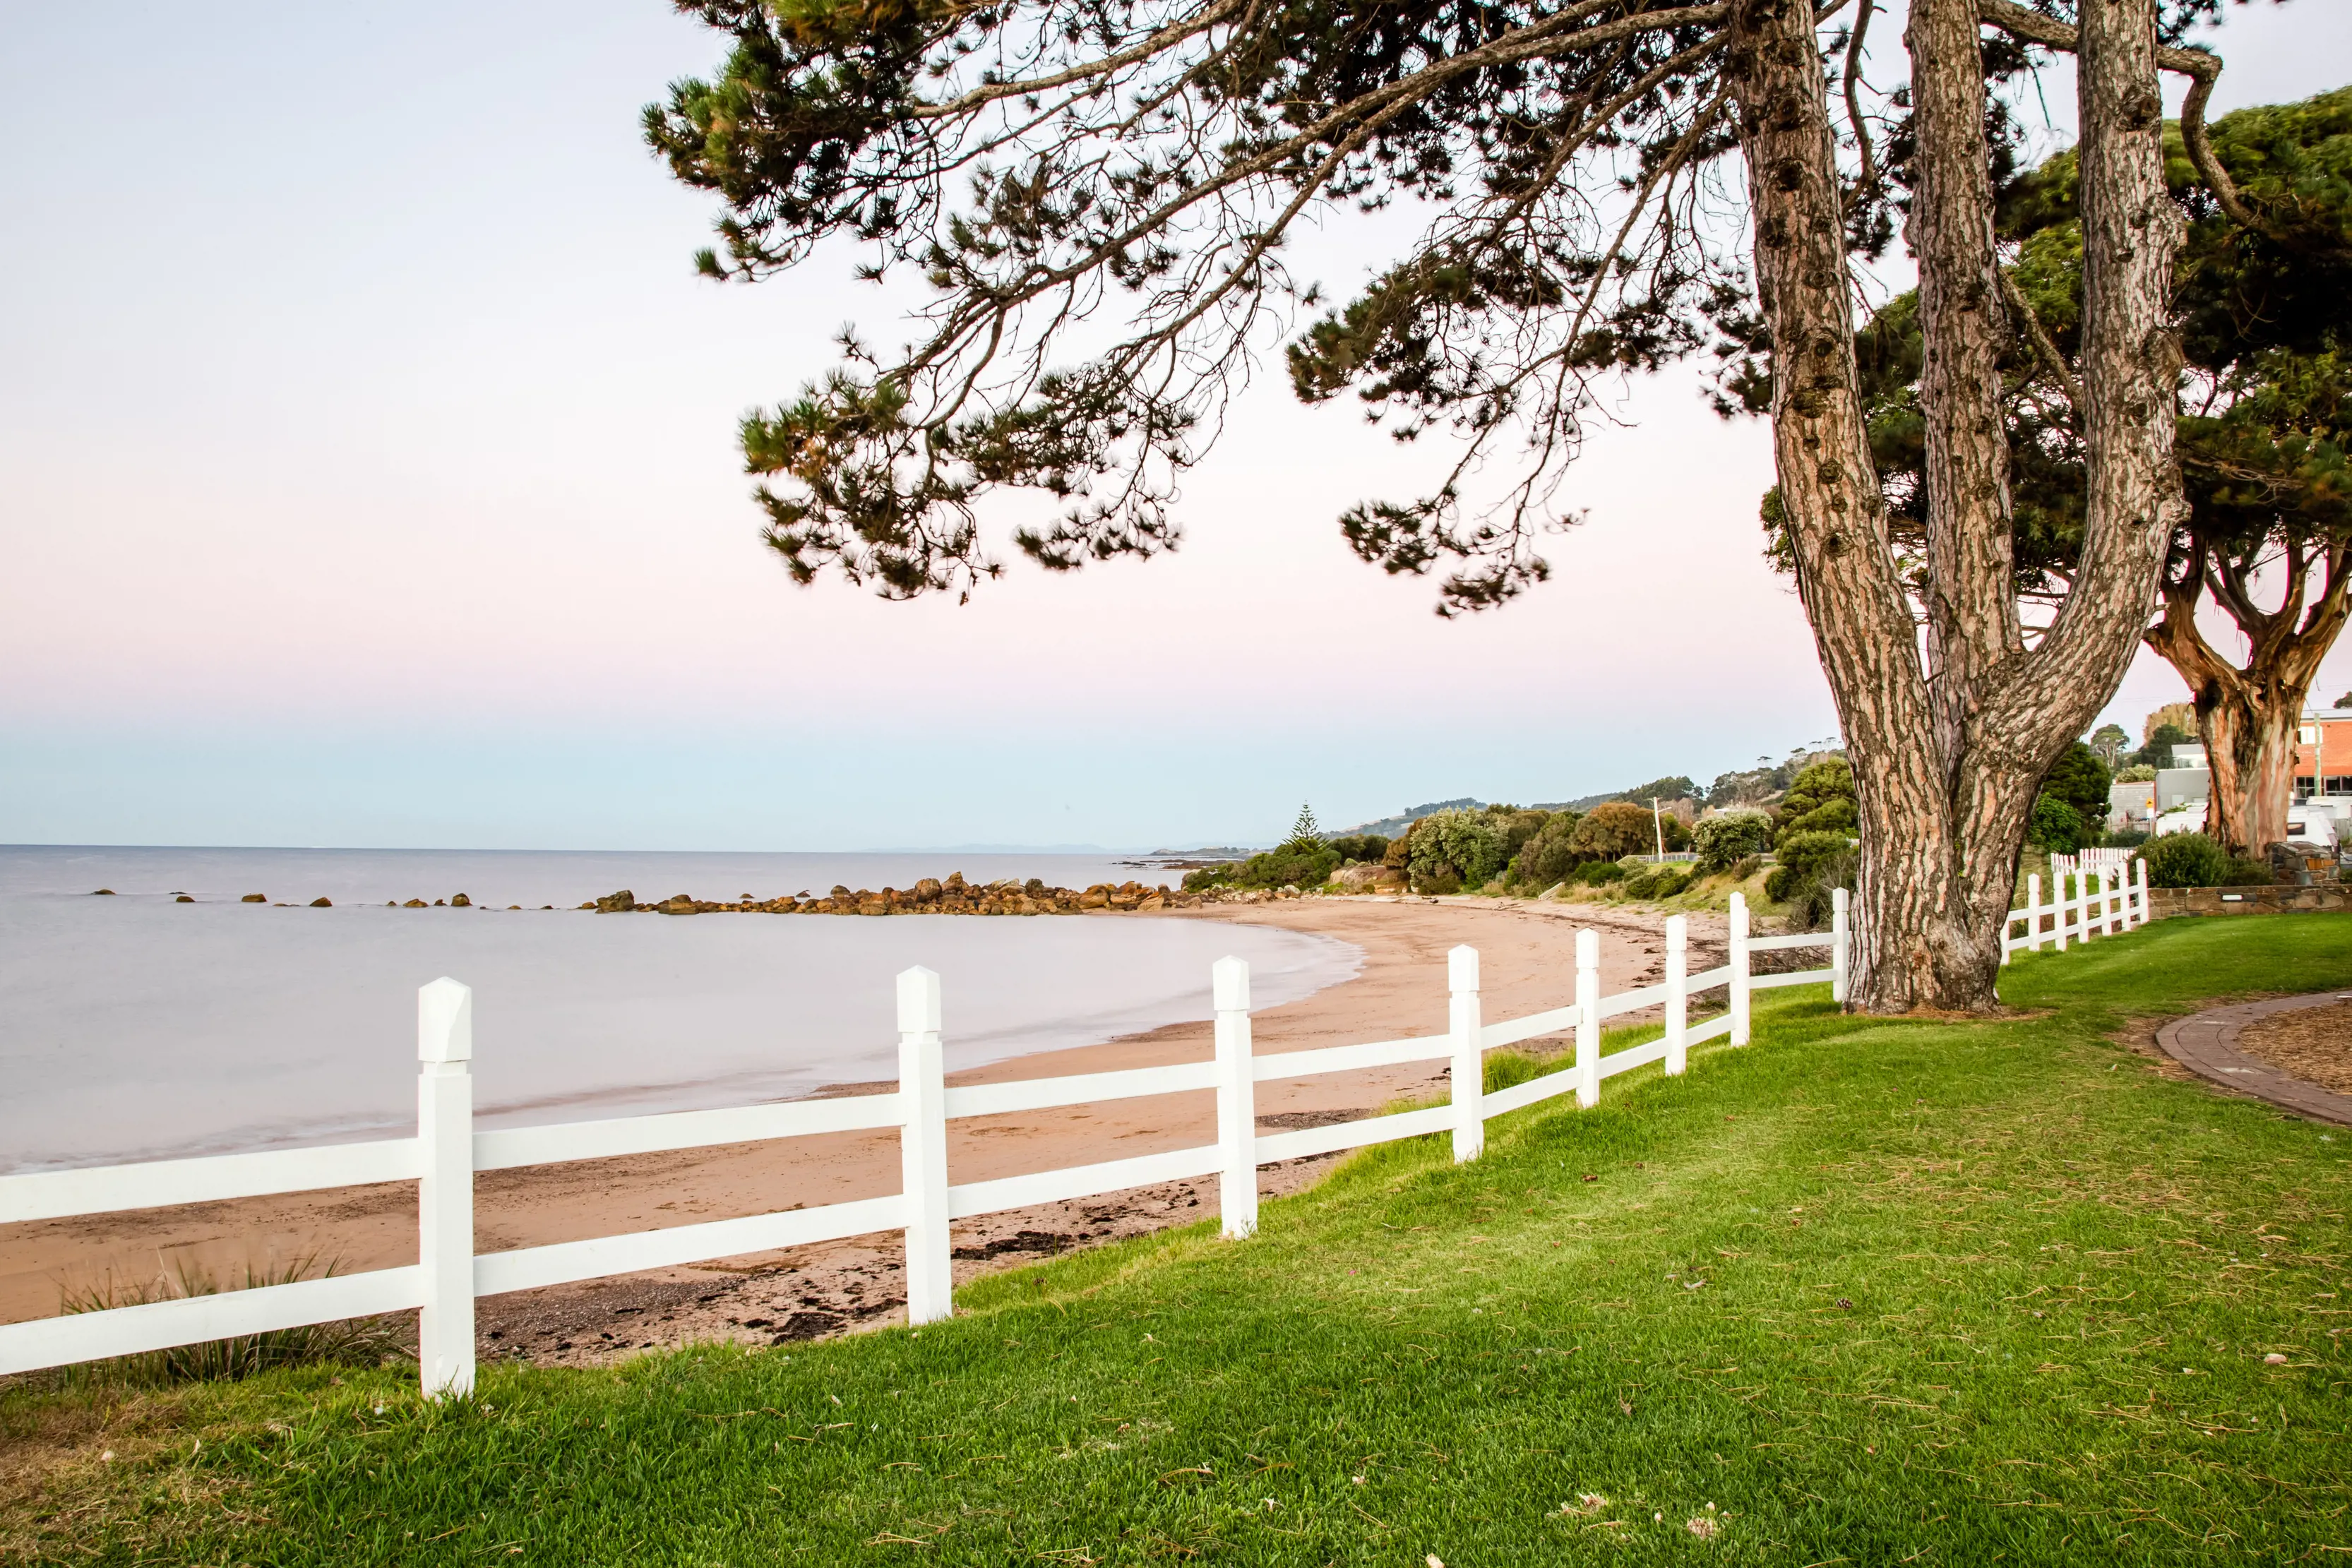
(138, 1027)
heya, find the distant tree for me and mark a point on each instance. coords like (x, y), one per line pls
(1612, 831)
(2178, 717)
(1305, 831)
(1674, 786)
(2057, 826)
(1551, 854)
(1821, 800)
(1363, 848)
(1517, 826)
(2345, 701)
(1454, 849)
(2158, 752)
(2110, 741)
(1724, 839)
(2081, 779)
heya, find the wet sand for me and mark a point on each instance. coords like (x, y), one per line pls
(1527, 963)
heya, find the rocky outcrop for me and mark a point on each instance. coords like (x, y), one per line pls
(952, 895)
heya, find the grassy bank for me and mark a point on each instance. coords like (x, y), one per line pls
(1864, 1293)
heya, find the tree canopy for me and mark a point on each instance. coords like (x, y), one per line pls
(1100, 194)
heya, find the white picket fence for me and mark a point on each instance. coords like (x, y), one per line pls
(447, 1150)
(2096, 893)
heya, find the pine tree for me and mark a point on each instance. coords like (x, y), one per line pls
(1036, 164)
(1307, 833)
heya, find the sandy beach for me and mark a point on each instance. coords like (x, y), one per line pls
(1526, 959)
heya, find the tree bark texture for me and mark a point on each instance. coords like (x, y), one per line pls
(1950, 742)
(2248, 714)
(1972, 617)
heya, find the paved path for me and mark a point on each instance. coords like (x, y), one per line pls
(2206, 1044)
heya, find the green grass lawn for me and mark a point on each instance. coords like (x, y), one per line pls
(1864, 1293)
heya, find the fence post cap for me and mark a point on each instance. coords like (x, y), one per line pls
(1838, 900)
(1677, 930)
(1229, 980)
(1588, 947)
(918, 1001)
(1462, 968)
(444, 1021)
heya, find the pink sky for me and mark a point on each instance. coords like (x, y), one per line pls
(371, 480)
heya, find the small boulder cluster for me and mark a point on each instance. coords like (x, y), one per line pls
(931, 895)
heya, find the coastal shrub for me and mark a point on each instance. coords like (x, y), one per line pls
(1293, 865)
(2057, 826)
(1518, 829)
(1595, 873)
(1659, 881)
(1548, 855)
(1820, 801)
(1746, 866)
(1616, 829)
(1722, 842)
(1398, 855)
(1439, 881)
(1463, 845)
(1808, 858)
(2186, 860)
(1209, 876)
(1363, 848)
(1810, 895)
(2246, 871)
(1807, 853)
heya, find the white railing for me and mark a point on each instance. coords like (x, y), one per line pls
(2096, 893)
(447, 1150)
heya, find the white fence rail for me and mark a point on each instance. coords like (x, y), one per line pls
(446, 1152)
(2097, 893)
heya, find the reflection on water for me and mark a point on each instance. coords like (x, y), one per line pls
(135, 1026)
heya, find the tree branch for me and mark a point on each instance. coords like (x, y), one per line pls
(2202, 69)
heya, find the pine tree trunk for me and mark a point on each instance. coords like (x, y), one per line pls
(1950, 742)
(1916, 942)
(2250, 744)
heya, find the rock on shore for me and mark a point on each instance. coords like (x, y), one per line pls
(951, 896)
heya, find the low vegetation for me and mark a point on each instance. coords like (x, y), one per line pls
(1869, 1291)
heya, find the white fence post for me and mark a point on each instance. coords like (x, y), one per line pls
(2058, 899)
(1841, 945)
(2033, 913)
(2110, 877)
(1587, 1017)
(1236, 1100)
(1469, 1082)
(444, 1197)
(2139, 883)
(923, 1147)
(1740, 988)
(1678, 992)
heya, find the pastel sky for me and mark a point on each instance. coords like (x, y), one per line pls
(370, 480)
